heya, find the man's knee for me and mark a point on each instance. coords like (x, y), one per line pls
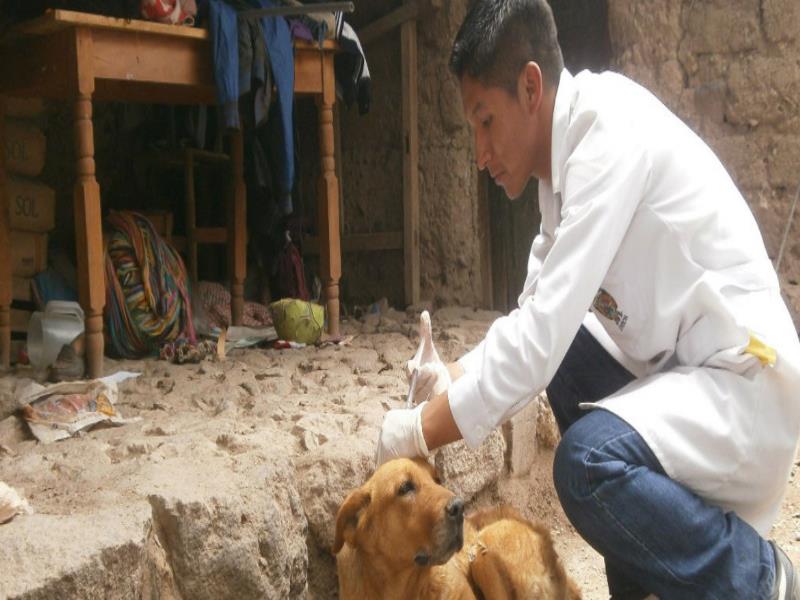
(589, 455)
(596, 450)
(569, 467)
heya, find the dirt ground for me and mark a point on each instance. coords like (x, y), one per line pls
(261, 401)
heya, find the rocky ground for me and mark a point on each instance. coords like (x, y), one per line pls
(228, 486)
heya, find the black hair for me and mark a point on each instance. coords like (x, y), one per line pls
(499, 37)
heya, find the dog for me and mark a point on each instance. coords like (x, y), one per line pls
(402, 535)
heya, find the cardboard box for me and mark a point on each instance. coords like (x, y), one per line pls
(21, 289)
(28, 253)
(25, 147)
(24, 108)
(19, 320)
(31, 205)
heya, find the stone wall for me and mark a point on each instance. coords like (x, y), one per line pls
(731, 70)
(449, 244)
(372, 163)
(372, 178)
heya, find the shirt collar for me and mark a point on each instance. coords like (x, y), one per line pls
(561, 114)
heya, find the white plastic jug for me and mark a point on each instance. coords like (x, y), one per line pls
(49, 331)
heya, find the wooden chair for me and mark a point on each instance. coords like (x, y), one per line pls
(200, 235)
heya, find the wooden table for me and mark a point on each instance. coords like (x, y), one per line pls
(80, 57)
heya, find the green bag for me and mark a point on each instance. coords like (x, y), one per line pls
(298, 320)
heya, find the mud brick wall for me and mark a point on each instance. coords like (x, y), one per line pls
(373, 162)
(731, 70)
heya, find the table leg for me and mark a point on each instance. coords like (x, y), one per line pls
(237, 227)
(330, 241)
(89, 236)
(5, 250)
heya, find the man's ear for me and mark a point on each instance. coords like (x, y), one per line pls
(531, 85)
(347, 518)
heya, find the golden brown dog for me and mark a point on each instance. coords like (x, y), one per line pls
(403, 536)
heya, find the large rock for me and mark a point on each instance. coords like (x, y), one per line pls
(467, 471)
(326, 475)
(87, 556)
(188, 518)
(520, 436)
(227, 548)
(316, 429)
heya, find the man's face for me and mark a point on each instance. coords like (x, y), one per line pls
(506, 133)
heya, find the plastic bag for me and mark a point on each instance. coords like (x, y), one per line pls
(173, 12)
(298, 320)
(60, 411)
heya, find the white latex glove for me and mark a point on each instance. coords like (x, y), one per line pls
(432, 377)
(401, 435)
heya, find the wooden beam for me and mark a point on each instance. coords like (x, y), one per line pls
(211, 235)
(307, 79)
(207, 156)
(149, 93)
(409, 11)
(408, 57)
(337, 156)
(153, 58)
(59, 20)
(360, 242)
(297, 10)
(5, 251)
(86, 203)
(237, 226)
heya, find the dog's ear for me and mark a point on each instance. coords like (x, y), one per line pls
(347, 517)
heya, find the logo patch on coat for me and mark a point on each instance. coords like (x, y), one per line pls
(605, 304)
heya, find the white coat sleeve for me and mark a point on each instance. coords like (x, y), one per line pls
(603, 182)
(471, 362)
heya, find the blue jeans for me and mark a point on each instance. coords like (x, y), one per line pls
(656, 536)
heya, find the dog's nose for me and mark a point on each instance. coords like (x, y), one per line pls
(455, 508)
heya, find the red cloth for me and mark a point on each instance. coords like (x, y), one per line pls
(216, 302)
(291, 275)
(174, 12)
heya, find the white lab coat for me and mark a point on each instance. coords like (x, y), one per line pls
(642, 225)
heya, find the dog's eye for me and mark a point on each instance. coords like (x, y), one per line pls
(406, 488)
